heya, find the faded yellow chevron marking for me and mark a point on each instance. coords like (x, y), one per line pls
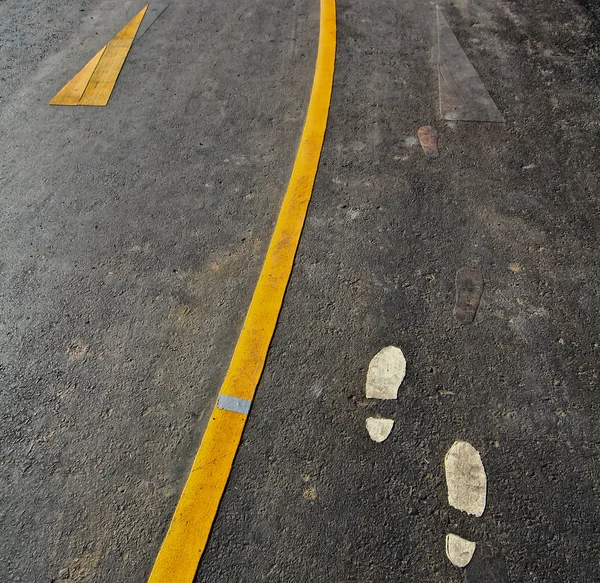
(71, 93)
(93, 85)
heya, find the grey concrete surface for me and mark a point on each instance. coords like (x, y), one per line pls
(132, 236)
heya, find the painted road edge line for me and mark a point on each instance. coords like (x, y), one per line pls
(185, 541)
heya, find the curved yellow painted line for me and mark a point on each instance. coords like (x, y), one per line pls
(182, 548)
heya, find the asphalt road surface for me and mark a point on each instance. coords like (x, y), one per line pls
(132, 236)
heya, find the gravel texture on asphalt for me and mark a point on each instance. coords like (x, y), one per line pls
(131, 238)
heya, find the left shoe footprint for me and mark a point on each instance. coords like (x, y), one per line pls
(386, 373)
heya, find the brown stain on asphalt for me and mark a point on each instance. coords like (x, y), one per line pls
(77, 350)
(310, 493)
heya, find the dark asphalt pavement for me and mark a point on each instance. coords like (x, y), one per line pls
(132, 236)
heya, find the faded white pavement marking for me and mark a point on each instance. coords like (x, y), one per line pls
(386, 373)
(465, 478)
(469, 287)
(155, 9)
(379, 429)
(463, 95)
(459, 550)
(428, 137)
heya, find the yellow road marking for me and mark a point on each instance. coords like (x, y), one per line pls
(71, 93)
(182, 548)
(95, 82)
(105, 75)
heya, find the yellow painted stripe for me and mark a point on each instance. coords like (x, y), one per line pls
(105, 75)
(95, 82)
(182, 548)
(71, 93)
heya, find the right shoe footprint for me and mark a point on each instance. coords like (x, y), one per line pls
(467, 491)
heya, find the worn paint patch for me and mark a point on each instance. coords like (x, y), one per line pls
(379, 429)
(77, 350)
(459, 550)
(469, 288)
(309, 493)
(386, 373)
(428, 137)
(465, 478)
(463, 95)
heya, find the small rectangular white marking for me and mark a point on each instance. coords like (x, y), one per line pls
(235, 404)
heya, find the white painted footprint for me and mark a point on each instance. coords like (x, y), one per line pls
(459, 550)
(385, 375)
(467, 491)
(379, 429)
(466, 479)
